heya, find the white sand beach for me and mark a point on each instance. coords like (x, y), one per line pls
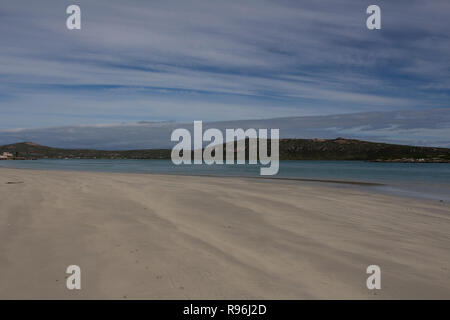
(138, 236)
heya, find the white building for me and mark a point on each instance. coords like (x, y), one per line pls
(6, 155)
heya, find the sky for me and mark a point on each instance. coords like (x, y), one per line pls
(218, 60)
(417, 127)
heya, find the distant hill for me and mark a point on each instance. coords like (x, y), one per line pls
(349, 149)
(31, 150)
(290, 149)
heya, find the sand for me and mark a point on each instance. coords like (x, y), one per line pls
(139, 236)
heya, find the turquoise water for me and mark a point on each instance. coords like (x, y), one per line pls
(429, 180)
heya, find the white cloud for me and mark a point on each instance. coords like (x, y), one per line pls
(218, 60)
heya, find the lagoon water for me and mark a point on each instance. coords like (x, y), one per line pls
(426, 180)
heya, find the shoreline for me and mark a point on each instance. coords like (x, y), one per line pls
(361, 183)
(377, 187)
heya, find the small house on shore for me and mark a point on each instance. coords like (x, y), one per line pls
(6, 156)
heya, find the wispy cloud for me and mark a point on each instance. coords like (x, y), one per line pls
(427, 127)
(210, 60)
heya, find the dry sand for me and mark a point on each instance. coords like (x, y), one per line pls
(178, 237)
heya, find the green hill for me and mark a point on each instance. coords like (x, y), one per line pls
(290, 149)
(29, 150)
(348, 149)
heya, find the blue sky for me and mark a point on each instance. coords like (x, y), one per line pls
(218, 60)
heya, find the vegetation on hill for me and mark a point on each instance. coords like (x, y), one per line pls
(348, 149)
(31, 150)
(290, 149)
